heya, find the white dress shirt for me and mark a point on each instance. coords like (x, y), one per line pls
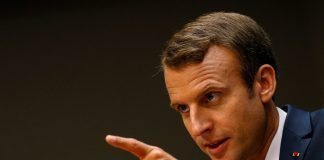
(274, 149)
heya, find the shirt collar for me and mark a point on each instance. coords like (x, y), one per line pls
(274, 149)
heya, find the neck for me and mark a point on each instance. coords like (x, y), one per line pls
(271, 129)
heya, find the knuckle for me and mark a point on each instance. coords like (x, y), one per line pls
(157, 153)
(136, 146)
(132, 141)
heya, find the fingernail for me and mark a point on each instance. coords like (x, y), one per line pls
(110, 138)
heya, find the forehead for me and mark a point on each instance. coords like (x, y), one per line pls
(219, 63)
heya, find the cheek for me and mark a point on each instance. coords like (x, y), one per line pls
(186, 123)
(252, 118)
(245, 112)
(249, 125)
(239, 113)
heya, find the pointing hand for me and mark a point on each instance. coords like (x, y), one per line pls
(139, 149)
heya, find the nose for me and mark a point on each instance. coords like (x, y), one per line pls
(200, 122)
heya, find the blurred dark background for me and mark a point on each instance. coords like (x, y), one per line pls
(74, 71)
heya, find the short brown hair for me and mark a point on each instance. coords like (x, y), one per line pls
(234, 31)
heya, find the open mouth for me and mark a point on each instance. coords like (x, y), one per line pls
(216, 144)
(217, 148)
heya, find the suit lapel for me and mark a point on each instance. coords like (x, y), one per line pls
(296, 134)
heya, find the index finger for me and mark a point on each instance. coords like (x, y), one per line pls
(137, 148)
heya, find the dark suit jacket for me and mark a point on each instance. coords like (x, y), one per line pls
(304, 134)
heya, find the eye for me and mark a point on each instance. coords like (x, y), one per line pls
(211, 96)
(182, 108)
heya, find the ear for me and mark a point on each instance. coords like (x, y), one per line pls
(266, 82)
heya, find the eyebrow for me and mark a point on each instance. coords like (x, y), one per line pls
(203, 91)
(207, 88)
(211, 86)
(173, 105)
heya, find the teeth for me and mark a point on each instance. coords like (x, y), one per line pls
(213, 145)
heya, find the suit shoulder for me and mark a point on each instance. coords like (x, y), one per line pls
(318, 116)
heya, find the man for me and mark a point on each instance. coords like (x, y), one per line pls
(220, 74)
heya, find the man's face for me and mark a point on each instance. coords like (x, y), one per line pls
(216, 107)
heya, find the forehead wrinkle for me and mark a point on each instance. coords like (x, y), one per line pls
(206, 72)
(191, 74)
(202, 67)
(200, 71)
(207, 80)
